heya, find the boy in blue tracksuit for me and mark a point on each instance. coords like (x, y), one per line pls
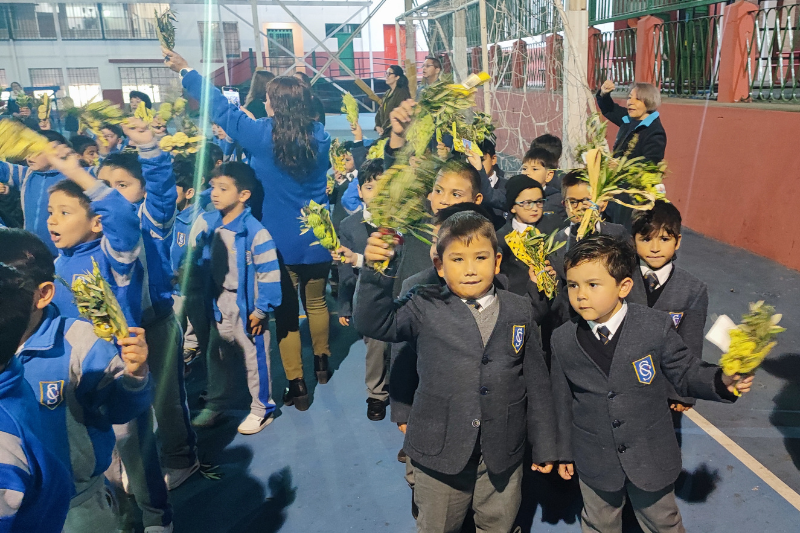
(188, 300)
(35, 487)
(237, 253)
(81, 383)
(90, 220)
(33, 181)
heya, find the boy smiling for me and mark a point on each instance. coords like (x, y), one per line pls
(483, 384)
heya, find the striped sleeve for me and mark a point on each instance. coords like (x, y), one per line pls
(15, 477)
(159, 206)
(268, 275)
(13, 175)
(122, 234)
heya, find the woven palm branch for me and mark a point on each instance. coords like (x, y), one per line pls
(96, 302)
(17, 141)
(532, 248)
(165, 28)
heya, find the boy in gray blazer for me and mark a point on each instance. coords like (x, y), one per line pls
(611, 370)
(664, 286)
(483, 384)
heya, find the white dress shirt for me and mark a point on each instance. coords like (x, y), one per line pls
(612, 323)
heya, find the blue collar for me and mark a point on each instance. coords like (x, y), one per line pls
(644, 123)
(44, 338)
(11, 376)
(237, 224)
(187, 214)
(81, 248)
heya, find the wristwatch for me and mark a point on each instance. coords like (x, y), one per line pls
(184, 72)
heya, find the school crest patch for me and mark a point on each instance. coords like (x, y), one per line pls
(518, 338)
(676, 318)
(645, 370)
(51, 393)
(181, 239)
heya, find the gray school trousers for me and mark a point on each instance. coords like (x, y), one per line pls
(656, 512)
(225, 356)
(443, 500)
(375, 376)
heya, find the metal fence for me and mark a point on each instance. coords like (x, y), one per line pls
(615, 58)
(601, 11)
(774, 71)
(535, 69)
(687, 57)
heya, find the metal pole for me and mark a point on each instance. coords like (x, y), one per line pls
(64, 71)
(397, 38)
(257, 34)
(224, 48)
(371, 58)
(459, 45)
(487, 101)
(411, 41)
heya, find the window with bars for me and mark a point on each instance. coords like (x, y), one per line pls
(4, 24)
(231, 31)
(31, 21)
(130, 21)
(3, 80)
(80, 21)
(347, 28)
(159, 83)
(47, 77)
(84, 85)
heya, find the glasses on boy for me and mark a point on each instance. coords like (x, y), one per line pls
(573, 203)
(527, 205)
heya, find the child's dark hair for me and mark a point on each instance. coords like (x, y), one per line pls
(549, 142)
(73, 190)
(618, 256)
(541, 155)
(127, 161)
(141, 96)
(487, 146)
(213, 154)
(52, 136)
(81, 142)
(242, 175)
(27, 253)
(447, 212)
(371, 170)
(570, 179)
(183, 170)
(516, 184)
(15, 290)
(464, 227)
(113, 128)
(464, 170)
(663, 215)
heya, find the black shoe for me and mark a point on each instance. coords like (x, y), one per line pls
(321, 369)
(401, 456)
(414, 508)
(296, 394)
(376, 409)
(189, 355)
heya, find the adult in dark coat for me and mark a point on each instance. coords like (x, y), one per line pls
(397, 93)
(641, 119)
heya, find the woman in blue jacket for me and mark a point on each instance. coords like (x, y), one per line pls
(289, 153)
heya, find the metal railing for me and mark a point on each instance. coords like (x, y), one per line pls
(535, 65)
(774, 70)
(615, 58)
(601, 11)
(687, 57)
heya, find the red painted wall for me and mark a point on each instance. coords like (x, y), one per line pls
(733, 173)
(733, 168)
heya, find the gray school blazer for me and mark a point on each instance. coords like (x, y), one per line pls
(619, 426)
(685, 300)
(500, 392)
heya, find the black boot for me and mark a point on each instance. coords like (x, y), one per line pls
(296, 394)
(321, 368)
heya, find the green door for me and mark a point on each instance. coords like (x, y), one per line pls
(346, 54)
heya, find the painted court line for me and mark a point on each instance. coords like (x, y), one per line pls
(749, 461)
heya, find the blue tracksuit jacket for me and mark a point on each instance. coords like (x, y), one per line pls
(157, 218)
(33, 186)
(180, 238)
(259, 278)
(119, 254)
(79, 383)
(36, 487)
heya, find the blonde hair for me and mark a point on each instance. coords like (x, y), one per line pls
(648, 94)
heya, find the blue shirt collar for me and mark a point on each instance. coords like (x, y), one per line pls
(80, 248)
(44, 338)
(11, 376)
(644, 123)
(187, 214)
(237, 224)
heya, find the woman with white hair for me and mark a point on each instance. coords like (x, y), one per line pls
(641, 118)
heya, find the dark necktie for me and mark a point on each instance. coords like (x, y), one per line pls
(652, 281)
(474, 304)
(572, 240)
(604, 333)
